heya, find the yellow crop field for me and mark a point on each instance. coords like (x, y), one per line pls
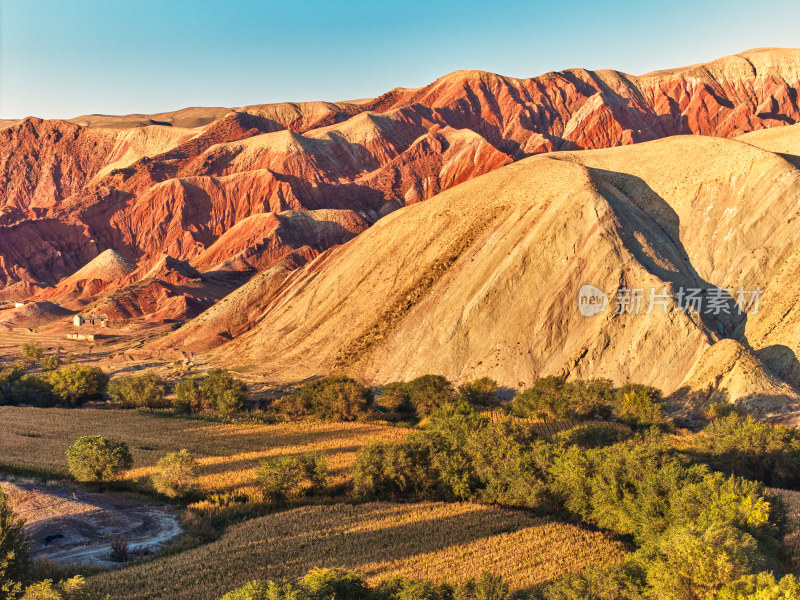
(429, 539)
(227, 455)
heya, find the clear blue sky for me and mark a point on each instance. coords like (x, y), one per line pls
(63, 58)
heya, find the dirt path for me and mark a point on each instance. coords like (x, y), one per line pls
(68, 525)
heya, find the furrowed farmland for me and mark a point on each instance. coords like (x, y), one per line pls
(381, 540)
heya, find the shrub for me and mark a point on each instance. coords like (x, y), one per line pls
(73, 588)
(429, 392)
(601, 582)
(223, 392)
(15, 563)
(548, 398)
(331, 398)
(638, 405)
(131, 391)
(557, 399)
(31, 352)
(271, 590)
(175, 473)
(8, 377)
(96, 458)
(76, 384)
(479, 392)
(395, 401)
(402, 588)
(287, 477)
(591, 398)
(33, 389)
(511, 466)
(187, 397)
(398, 470)
(717, 410)
(324, 584)
(230, 402)
(51, 363)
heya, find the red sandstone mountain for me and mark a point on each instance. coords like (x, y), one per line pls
(197, 184)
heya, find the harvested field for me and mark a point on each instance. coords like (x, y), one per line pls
(227, 455)
(434, 540)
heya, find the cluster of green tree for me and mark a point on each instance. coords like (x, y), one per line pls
(741, 445)
(218, 392)
(556, 398)
(337, 398)
(70, 386)
(134, 391)
(329, 584)
(285, 478)
(98, 459)
(699, 532)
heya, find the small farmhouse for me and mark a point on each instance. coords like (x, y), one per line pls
(98, 320)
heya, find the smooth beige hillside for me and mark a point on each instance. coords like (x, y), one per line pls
(483, 279)
(781, 140)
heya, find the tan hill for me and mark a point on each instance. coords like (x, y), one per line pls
(483, 279)
(781, 140)
(178, 181)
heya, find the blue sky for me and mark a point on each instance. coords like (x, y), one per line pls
(63, 58)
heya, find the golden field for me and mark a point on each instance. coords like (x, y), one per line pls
(381, 540)
(227, 455)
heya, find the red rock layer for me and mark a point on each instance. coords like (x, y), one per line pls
(68, 192)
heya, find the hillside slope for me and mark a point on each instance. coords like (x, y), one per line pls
(483, 279)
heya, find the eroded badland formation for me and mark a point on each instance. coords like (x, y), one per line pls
(445, 229)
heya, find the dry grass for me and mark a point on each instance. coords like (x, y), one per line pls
(228, 455)
(381, 540)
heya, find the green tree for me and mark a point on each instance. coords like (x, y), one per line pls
(395, 401)
(8, 377)
(96, 458)
(31, 352)
(187, 397)
(697, 562)
(15, 563)
(548, 398)
(284, 478)
(147, 390)
(73, 588)
(761, 586)
(175, 473)
(331, 398)
(76, 384)
(638, 405)
(326, 584)
(51, 363)
(33, 389)
(429, 392)
(479, 392)
(747, 447)
(223, 392)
